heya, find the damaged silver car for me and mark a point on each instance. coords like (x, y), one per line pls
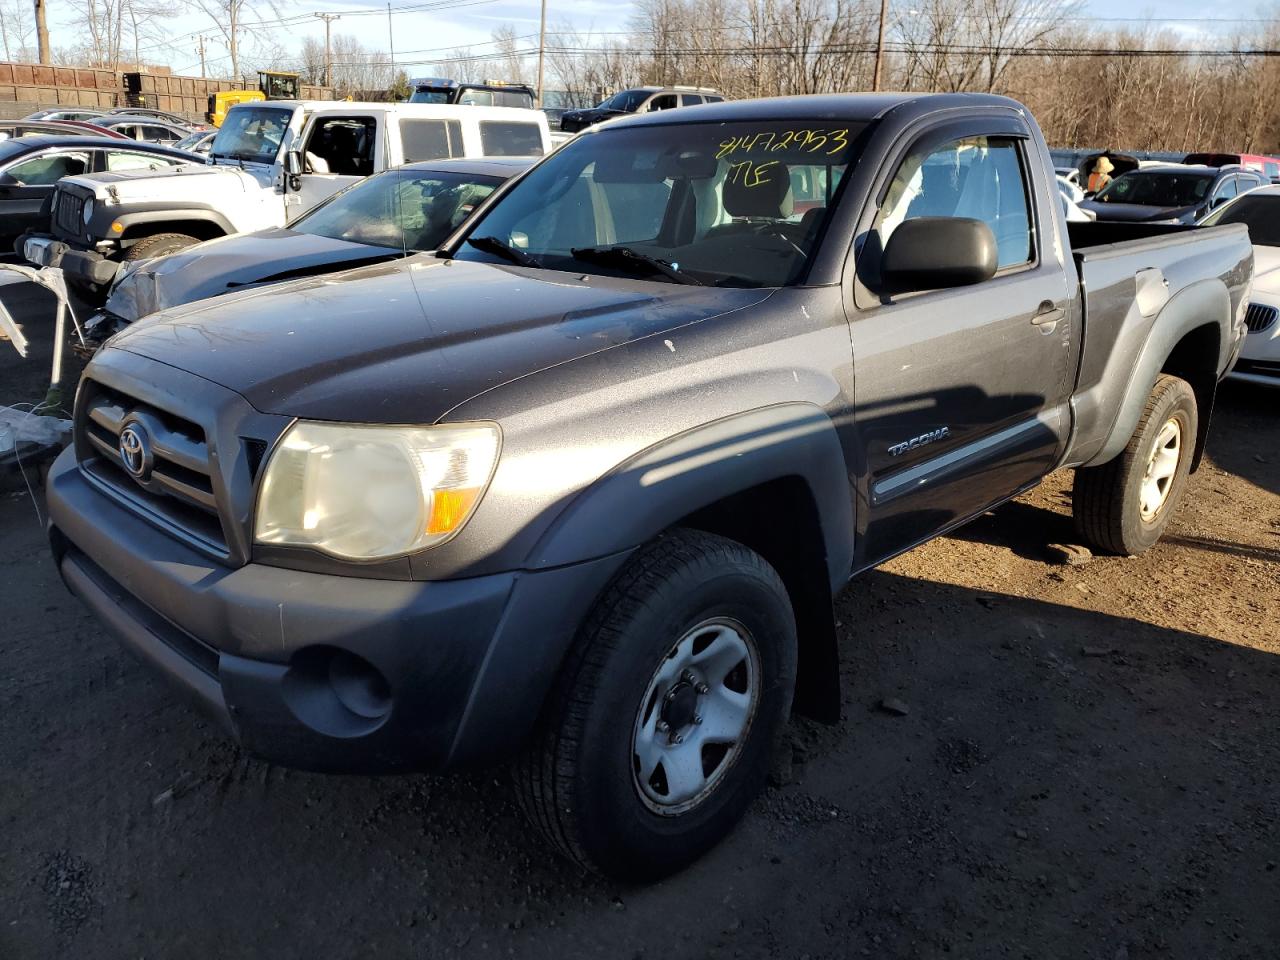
(408, 210)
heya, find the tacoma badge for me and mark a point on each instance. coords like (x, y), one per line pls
(898, 449)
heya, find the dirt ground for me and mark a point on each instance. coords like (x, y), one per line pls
(1089, 768)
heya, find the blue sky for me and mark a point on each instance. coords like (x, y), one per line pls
(420, 36)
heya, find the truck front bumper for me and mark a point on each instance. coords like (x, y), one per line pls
(87, 265)
(323, 672)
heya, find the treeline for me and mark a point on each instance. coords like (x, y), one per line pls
(1138, 89)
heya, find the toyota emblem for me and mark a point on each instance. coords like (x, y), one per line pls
(135, 453)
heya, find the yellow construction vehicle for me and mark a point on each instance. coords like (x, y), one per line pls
(272, 85)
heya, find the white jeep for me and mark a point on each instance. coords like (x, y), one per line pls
(270, 162)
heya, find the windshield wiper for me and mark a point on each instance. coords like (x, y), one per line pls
(504, 250)
(632, 261)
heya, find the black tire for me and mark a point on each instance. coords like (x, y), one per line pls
(577, 781)
(158, 246)
(1106, 501)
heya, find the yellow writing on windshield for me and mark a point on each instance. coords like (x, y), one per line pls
(751, 174)
(826, 142)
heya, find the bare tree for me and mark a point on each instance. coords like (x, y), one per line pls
(234, 19)
(17, 29)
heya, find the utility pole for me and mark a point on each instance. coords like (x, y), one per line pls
(542, 48)
(884, 16)
(42, 32)
(328, 18)
(201, 51)
(391, 41)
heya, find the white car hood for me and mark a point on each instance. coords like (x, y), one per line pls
(144, 184)
(1266, 274)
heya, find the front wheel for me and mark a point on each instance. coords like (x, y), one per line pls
(660, 730)
(1124, 505)
(160, 245)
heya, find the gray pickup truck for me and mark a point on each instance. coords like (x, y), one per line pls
(578, 490)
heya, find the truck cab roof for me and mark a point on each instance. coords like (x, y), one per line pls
(860, 107)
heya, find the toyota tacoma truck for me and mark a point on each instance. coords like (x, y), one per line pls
(577, 490)
(270, 163)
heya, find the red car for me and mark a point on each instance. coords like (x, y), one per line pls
(1269, 167)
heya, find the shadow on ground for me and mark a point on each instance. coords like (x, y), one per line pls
(1066, 784)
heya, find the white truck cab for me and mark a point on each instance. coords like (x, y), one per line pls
(270, 162)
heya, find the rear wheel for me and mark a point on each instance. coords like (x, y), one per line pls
(158, 246)
(1124, 505)
(661, 727)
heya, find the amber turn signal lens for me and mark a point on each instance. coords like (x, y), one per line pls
(449, 508)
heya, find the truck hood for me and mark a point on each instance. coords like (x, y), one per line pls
(138, 185)
(229, 263)
(405, 342)
(1137, 212)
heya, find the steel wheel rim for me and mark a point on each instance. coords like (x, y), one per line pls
(695, 716)
(1162, 467)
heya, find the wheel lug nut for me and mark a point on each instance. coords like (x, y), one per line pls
(663, 726)
(702, 688)
(677, 739)
(687, 676)
(671, 694)
(697, 718)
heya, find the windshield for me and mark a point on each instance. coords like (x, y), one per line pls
(252, 134)
(1157, 189)
(627, 100)
(403, 209)
(726, 204)
(191, 142)
(428, 95)
(1260, 214)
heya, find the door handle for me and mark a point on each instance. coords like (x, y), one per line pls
(1047, 314)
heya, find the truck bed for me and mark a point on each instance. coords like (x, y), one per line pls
(1136, 280)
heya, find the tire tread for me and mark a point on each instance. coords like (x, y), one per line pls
(546, 771)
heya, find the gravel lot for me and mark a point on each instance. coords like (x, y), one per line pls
(1089, 767)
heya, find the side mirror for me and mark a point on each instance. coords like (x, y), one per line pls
(293, 163)
(932, 253)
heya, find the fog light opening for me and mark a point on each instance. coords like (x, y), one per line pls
(359, 686)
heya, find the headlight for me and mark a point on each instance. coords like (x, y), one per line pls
(368, 492)
(88, 211)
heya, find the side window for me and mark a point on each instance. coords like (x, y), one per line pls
(977, 177)
(663, 101)
(158, 134)
(430, 139)
(1271, 170)
(1226, 189)
(343, 146)
(49, 169)
(711, 98)
(505, 139)
(124, 160)
(690, 99)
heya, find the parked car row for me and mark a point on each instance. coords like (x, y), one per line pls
(269, 163)
(575, 486)
(31, 166)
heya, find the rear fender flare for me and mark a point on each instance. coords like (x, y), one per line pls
(1206, 302)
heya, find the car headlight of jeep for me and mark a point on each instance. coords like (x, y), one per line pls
(370, 492)
(88, 211)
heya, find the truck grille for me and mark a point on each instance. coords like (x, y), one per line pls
(162, 469)
(1259, 317)
(68, 211)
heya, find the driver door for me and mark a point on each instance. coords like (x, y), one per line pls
(960, 394)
